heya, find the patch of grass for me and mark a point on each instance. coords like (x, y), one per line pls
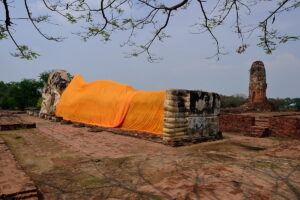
(63, 162)
(220, 157)
(155, 197)
(17, 137)
(64, 156)
(120, 161)
(14, 136)
(30, 166)
(265, 165)
(278, 140)
(59, 168)
(89, 180)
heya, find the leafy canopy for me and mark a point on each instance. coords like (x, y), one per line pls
(135, 17)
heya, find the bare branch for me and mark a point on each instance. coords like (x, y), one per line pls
(111, 15)
(14, 41)
(276, 10)
(103, 15)
(206, 25)
(8, 24)
(7, 20)
(52, 9)
(146, 47)
(162, 7)
(35, 26)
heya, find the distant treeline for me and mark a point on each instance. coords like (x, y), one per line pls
(23, 94)
(233, 101)
(280, 103)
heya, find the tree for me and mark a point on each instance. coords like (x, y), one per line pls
(23, 94)
(279, 104)
(297, 101)
(233, 101)
(26, 93)
(3, 96)
(135, 16)
(43, 77)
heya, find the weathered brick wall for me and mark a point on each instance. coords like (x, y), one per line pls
(236, 123)
(191, 115)
(285, 127)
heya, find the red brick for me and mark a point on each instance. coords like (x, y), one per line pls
(235, 122)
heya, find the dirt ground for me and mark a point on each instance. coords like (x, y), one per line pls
(71, 163)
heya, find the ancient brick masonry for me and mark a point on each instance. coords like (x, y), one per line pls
(236, 123)
(280, 124)
(14, 183)
(13, 121)
(257, 84)
(257, 100)
(254, 120)
(248, 124)
(191, 115)
(285, 126)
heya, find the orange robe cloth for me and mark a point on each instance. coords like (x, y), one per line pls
(111, 104)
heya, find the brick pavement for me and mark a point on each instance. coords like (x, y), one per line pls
(14, 183)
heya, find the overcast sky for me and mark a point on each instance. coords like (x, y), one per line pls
(184, 65)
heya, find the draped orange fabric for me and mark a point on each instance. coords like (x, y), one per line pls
(110, 104)
(146, 112)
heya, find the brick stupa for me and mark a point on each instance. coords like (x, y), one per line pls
(257, 100)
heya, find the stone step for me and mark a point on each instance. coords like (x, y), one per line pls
(262, 118)
(258, 131)
(261, 121)
(261, 124)
(258, 127)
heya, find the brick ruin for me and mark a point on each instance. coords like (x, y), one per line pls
(277, 124)
(257, 100)
(11, 120)
(285, 126)
(191, 115)
(236, 122)
(14, 183)
(254, 117)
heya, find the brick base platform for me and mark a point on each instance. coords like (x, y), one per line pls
(288, 126)
(132, 133)
(13, 121)
(14, 183)
(276, 124)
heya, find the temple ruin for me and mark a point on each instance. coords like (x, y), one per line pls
(257, 100)
(255, 118)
